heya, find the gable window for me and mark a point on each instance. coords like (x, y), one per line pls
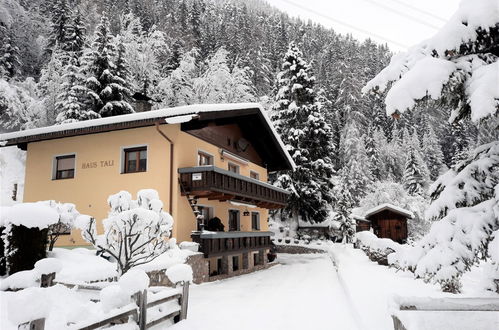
(135, 160)
(255, 221)
(254, 175)
(65, 167)
(233, 168)
(204, 159)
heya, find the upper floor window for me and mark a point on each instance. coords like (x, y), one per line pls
(255, 221)
(65, 167)
(135, 160)
(204, 159)
(254, 175)
(233, 168)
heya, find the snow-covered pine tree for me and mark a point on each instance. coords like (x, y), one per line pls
(355, 175)
(61, 20)
(9, 56)
(416, 176)
(107, 90)
(457, 67)
(302, 126)
(432, 153)
(75, 36)
(372, 152)
(73, 104)
(460, 143)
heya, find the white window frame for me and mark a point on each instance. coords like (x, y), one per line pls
(54, 165)
(122, 157)
(234, 164)
(206, 153)
(257, 175)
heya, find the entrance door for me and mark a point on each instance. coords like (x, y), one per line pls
(233, 220)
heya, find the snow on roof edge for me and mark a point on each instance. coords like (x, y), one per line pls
(389, 206)
(182, 111)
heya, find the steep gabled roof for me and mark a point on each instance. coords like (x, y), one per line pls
(178, 115)
(391, 207)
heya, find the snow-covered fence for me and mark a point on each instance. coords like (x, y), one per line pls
(443, 313)
(139, 310)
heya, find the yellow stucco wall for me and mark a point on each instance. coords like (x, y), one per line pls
(90, 187)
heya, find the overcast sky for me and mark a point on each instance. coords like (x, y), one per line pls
(386, 21)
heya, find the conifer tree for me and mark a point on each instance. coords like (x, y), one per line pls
(61, 18)
(372, 152)
(302, 126)
(432, 153)
(107, 90)
(9, 56)
(73, 104)
(416, 174)
(75, 36)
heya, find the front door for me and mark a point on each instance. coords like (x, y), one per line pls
(233, 220)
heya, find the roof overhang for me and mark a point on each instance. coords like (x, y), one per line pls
(250, 116)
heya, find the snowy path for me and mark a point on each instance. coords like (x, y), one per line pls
(302, 293)
(370, 287)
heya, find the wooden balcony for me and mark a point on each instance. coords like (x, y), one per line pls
(217, 184)
(214, 244)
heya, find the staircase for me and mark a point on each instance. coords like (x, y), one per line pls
(193, 202)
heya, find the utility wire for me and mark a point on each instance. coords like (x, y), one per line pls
(401, 13)
(369, 33)
(422, 11)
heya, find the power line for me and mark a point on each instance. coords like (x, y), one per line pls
(401, 13)
(425, 12)
(369, 33)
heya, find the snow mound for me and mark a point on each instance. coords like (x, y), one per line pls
(48, 265)
(113, 296)
(31, 215)
(191, 246)
(20, 280)
(34, 306)
(133, 281)
(179, 273)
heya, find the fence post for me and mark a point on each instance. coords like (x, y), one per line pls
(47, 280)
(141, 301)
(38, 324)
(185, 301)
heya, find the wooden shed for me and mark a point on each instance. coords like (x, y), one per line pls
(389, 221)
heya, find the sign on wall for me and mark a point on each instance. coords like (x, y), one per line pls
(197, 176)
(102, 163)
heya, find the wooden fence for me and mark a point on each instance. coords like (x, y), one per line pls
(137, 310)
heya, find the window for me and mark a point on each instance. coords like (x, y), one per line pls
(65, 167)
(233, 220)
(233, 168)
(204, 159)
(255, 221)
(135, 160)
(254, 175)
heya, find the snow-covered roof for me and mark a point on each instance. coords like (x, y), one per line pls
(175, 115)
(391, 207)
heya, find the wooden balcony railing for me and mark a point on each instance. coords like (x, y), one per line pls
(217, 184)
(214, 244)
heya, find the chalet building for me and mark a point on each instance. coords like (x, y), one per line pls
(209, 164)
(386, 221)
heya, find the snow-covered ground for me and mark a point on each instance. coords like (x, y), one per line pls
(341, 289)
(301, 293)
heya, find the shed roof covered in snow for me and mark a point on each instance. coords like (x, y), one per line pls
(390, 207)
(249, 116)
